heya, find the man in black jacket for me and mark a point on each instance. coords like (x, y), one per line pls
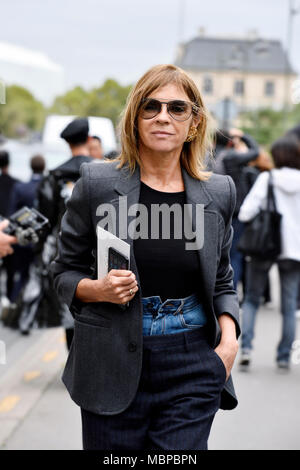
(56, 189)
(23, 194)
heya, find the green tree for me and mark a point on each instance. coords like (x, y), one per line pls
(105, 101)
(21, 112)
(294, 116)
(108, 100)
(266, 125)
(73, 102)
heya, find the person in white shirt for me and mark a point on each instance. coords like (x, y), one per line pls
(286, 179)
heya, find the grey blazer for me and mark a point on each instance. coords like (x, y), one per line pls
(104, 364)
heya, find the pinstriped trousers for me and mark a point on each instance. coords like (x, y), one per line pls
(177, 398)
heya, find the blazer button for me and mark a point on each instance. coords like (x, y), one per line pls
(132, 347)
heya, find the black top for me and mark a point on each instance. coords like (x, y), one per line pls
(70, 169)
(165, 267)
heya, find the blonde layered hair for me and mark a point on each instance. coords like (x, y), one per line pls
(193, 153)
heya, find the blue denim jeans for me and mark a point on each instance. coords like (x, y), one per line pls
(256, 277)
(172, 315)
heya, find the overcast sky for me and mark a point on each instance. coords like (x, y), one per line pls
(96, 39)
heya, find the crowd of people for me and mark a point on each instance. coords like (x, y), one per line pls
(239, 156)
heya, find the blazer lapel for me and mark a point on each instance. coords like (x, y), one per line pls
(128, 190)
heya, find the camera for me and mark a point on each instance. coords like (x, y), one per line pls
(27, 225)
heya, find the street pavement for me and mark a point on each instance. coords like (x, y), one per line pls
(36, 411)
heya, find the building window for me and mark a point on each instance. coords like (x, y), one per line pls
(269, 88)
(239, 87)
(207, 85)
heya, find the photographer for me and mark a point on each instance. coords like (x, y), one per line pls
(23, 194)
(5, 241)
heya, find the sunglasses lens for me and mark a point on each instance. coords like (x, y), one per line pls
(150, 108)
(180, 110)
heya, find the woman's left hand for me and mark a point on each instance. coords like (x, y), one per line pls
(227, 352)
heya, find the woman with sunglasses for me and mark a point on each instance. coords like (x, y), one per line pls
(154, 344)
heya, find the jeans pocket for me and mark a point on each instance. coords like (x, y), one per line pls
(193, 317)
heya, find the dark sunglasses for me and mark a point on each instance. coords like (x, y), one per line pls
(178, 109)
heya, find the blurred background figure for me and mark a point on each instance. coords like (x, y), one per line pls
(53, 194)
(238, 155)
(295, 131)
(286, 181)
(7, 183)
(56, 188)
(38, 304)
(262, 163)
(238, 151)
(95, 147)
(23, 194)
(222, 141)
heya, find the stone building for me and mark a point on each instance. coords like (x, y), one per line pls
(240, 73)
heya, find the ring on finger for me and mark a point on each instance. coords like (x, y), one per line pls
(130, 291)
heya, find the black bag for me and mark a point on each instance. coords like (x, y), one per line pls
(262, 235)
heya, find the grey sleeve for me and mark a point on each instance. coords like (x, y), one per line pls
(225, 296)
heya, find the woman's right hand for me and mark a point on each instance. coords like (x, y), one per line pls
(114, 287)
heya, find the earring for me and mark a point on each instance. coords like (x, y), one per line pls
(192, 134)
